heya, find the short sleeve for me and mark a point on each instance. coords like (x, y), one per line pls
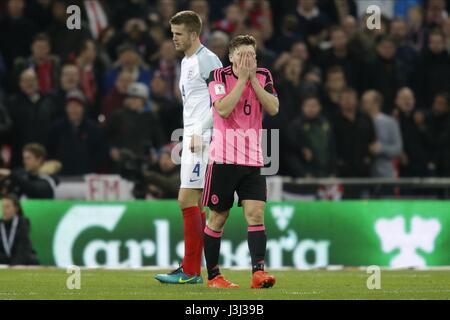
(207, 63)
(216, 86)
(268, 85)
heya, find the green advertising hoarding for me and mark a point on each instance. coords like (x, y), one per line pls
(300, 234)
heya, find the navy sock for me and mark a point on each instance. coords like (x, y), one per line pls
(212, 250)
(257, 241)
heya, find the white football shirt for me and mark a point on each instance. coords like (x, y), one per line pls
(195, 71)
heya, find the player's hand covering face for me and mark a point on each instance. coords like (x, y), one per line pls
(245, 59)
(251, 60)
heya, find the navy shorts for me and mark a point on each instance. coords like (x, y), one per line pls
(222, 180)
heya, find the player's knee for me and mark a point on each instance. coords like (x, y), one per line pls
(185, 201)
(255, 216)
(216, 221)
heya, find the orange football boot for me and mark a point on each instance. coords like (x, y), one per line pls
(220, 282)
(262, 279)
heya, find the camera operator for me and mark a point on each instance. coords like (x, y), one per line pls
(37, 180)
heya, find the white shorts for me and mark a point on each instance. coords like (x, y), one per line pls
(193, 165)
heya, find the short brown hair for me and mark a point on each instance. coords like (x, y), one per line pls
(335, 69)
(190, 19)
(350, 90)
(36, 149)
(42, 37)
(242, 40)
(16, 202)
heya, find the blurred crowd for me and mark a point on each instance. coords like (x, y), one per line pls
(354, 102)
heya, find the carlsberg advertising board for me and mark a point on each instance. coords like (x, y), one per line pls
(303, 235)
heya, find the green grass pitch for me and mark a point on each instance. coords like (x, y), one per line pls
(50, 283)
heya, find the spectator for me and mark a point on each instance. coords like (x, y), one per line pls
(201, 7)
(133, 129)
(166, 10)
(288, 35)
(124, 10)
(164, 182)
(311, 145)
(129, 59)
(259, 18)
(45, 64)
(16, 248)
(413, 160)
(386, 74)
(5, 131)
(16, 32)
(3, 76)
(40, 12)
(435, 13)
(75, 140)
(338, 11)
(416, 31)
(91, 70)
(313, 23)
(389, 140)
(218, 43)
(38, 178)
(266, 57)
(65, 42)
(339, 55)
(437, 129)
(234, 19)
(290, 88)
(31, 113)
(299, 50)
(432, 73)
(446, 31)
(335, 83)
(362, 43)
(116, 96)
(168, 67)
(355, 138)
(134, 33)
(350, 26)
(406, 53)
(69, 80)
(169, 111)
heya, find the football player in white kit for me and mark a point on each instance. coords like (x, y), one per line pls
(196, 66)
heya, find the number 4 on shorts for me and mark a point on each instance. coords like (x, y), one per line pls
(197, 169)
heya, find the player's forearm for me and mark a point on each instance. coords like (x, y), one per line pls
(226, 105)
(268, 101)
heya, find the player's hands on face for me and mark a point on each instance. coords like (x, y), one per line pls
(252, 65)
(243, 72)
